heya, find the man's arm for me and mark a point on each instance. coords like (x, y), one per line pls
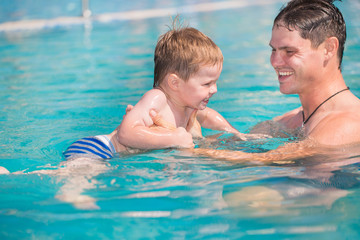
(333, 132)
(283, 154)
(136, 129)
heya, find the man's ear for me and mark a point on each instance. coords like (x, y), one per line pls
(331, 47)
(173, 81)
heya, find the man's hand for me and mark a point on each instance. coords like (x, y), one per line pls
(183, 135)
(194, 127)
(185, 139)
(159, 122)
(128, 109)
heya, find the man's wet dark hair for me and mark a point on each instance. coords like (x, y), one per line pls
(316, 20)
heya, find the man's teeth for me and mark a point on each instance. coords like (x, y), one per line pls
(285, 73)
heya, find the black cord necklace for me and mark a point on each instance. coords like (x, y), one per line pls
(303, 115)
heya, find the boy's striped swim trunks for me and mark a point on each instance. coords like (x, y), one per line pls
(91, 147)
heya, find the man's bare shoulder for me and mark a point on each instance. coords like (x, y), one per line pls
(338, 128)
(281, 126)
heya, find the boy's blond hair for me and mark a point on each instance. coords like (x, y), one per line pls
(182, 52)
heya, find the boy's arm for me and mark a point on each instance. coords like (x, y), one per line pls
(211, 119)
(136, 129)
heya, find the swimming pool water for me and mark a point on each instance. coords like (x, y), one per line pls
(70, 81)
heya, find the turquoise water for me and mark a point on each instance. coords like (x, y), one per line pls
(70, 81)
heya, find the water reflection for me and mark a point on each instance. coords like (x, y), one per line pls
(317, 181)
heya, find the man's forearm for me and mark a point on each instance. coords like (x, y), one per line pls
(282, 154)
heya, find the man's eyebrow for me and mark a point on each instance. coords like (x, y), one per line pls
(281, 48)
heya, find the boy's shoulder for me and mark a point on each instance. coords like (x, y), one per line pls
(155, 92)
(153, 98)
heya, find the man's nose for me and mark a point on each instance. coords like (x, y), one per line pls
(276, 59)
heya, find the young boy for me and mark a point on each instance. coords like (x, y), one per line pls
(187, 67)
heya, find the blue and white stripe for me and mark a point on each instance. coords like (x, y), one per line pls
(91, 147)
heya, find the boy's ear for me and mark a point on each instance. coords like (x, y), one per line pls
(173, 81)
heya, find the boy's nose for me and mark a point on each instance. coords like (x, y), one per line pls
(213, 89)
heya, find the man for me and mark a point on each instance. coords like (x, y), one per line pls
(307, 42)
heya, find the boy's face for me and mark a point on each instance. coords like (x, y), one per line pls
(200, 87)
